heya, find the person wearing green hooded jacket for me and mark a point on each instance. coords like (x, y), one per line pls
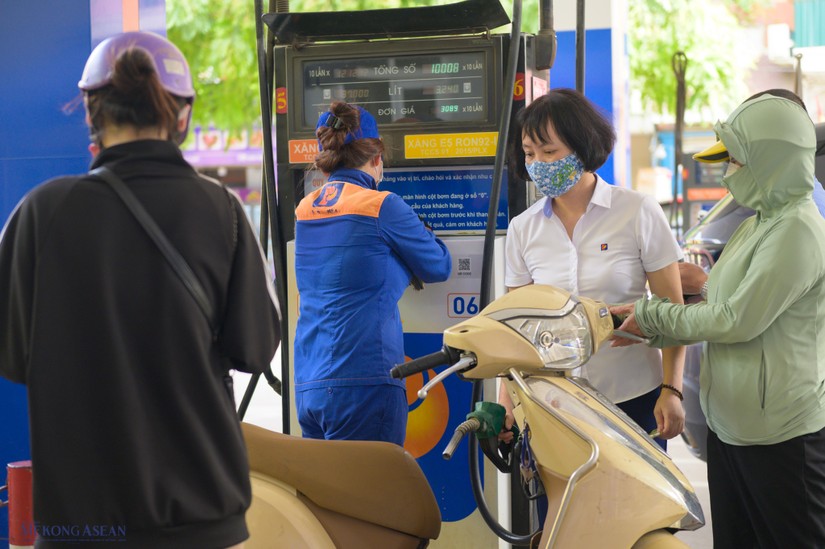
(762, 379)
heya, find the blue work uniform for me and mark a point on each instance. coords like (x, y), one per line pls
(356, 250)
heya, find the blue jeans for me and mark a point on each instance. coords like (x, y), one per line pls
(371, 412)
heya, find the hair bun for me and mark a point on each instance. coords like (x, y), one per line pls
(335, 123)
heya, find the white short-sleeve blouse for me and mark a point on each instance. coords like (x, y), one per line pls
(623, 235)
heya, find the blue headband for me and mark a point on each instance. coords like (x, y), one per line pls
(368, 127)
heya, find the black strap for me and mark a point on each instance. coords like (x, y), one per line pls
(173, 257)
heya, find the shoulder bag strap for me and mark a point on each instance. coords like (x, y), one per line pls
(173, 257)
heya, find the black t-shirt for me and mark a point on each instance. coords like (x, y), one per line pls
(134, 436)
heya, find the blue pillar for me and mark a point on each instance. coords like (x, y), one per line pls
(606, 71)
(43, 48)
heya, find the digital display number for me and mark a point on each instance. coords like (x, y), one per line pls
(442, 68)
(403, 89)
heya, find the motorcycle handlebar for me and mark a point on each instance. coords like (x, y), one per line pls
(446, 355)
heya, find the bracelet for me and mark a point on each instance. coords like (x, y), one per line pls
(675, 390)
(704, 291)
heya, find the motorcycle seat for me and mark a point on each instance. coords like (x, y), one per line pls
(377, 482)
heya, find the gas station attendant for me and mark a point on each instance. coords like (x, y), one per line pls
(356, 251)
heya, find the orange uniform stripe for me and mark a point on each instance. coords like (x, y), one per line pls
(353, 200)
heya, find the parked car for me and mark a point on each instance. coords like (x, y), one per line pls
(702, 244)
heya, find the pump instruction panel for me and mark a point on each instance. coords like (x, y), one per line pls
(430, 87)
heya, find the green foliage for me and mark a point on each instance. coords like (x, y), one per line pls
(218, 39)
(706, 33)
(529, 15)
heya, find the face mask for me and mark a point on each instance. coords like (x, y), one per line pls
(741, 184)
(553, 179)
(731, 169)
(377, 172)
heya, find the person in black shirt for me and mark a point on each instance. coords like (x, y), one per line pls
(134, 435)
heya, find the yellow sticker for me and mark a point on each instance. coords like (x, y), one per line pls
(450, 145)
(174, 66)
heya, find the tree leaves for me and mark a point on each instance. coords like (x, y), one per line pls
(710, 37)
(218, 39)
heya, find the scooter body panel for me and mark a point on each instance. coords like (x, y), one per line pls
(347, 532)
(374, 482)
(339, 493)
(597, 467)
(278, 518)
(660, 539)
(281, 517)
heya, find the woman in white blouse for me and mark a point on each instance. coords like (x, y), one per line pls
(596, 240)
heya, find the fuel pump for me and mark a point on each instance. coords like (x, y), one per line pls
(434, 79)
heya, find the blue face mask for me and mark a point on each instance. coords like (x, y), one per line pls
(553, 179)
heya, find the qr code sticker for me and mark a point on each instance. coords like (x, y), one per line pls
(464, 264)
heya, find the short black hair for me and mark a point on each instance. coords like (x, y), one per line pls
(580, 125)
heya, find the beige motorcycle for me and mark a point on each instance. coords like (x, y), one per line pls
(608, 484)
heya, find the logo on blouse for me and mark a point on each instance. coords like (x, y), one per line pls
(604, 247)
(329, 195)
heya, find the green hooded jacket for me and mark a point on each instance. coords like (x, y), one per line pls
(762, 377)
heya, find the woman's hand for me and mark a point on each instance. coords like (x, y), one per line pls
(506, 435)
(504, 399)
(622, 311)
(670, 415)
(629, 325)
(693, 278)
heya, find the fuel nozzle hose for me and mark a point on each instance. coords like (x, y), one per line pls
(485, 422)
(469, 426)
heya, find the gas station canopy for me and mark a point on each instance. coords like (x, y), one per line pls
(485, 15)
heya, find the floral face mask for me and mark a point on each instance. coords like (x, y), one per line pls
(553, 179)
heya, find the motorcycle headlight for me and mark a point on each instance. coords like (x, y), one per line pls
(561, 337)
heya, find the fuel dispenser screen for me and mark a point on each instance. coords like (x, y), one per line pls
(432, 87)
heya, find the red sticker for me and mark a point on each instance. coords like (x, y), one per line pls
(518, 87)
(280, 101)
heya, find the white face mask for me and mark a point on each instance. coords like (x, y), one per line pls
(732, 168)
(379, 176)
